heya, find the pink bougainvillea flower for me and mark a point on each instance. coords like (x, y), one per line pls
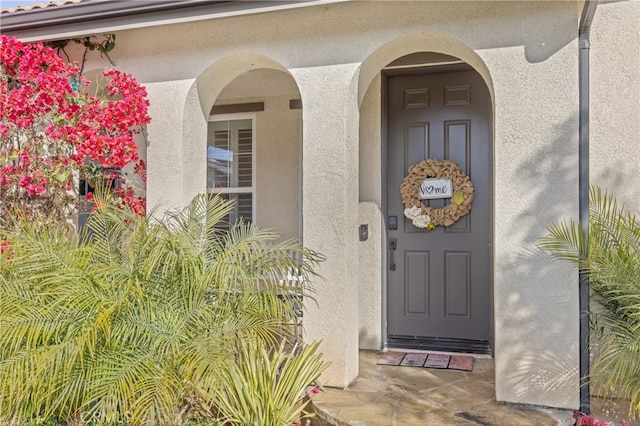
(51, 128)
(5, 248)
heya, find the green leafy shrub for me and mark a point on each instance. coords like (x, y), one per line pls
(137, 320)
(263, 387)
(610, 255)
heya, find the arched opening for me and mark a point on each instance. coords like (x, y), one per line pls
(431, 97)
(253, 140)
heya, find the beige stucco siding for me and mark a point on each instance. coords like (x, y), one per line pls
(165, 170)
(535, 183)
(320, 169)
(330, 208)
(615, 100)
(372, 252)
(278, 167)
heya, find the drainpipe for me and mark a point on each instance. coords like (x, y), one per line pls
(588, 12)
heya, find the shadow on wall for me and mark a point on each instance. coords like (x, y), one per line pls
(553, 199)
(541, 338)
(511, 24)
(534, 369)
(619, 179)
(549, 179)
(550, 184)
(539, 308)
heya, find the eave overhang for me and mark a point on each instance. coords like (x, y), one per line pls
(102, 16)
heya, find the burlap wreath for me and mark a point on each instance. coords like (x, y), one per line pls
(462, 187)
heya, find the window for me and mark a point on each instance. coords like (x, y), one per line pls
(230, 163)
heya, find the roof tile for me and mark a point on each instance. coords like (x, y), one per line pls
(43, 5)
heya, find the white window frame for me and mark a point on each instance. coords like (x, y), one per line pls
(254, 172)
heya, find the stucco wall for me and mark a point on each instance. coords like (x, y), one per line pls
(278, 168)
(527, 54)
(535, 183)
(165, 169)
(615, 100)
(371, 253)
(370, 278)
(330, 211)
(528, 116)
(370, 148)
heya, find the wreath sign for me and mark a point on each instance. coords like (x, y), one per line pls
(428, 217)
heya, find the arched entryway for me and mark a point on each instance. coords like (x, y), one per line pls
(253, 113)
(437, 285)
(439, 280)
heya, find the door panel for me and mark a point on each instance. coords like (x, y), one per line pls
(416, 291)
(439, 285)
(457, 284)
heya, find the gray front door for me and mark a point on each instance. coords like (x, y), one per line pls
(439, 282)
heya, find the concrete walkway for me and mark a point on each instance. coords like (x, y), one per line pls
(408, 396)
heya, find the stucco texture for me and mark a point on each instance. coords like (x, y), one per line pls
(615, 101)
(328, 157)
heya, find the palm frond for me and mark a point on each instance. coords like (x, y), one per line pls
(564, 241)
(136, 318)
(610, 255)
(266, 387)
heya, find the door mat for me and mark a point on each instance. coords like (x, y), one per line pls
(414, 359)
(437, 361)
(427, 360)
